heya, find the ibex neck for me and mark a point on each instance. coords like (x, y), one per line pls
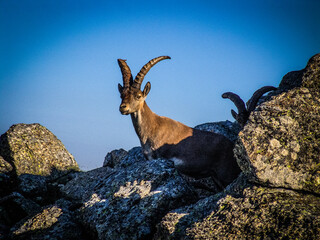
(144, 123)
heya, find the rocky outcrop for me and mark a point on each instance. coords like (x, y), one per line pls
(307, 77)
(280, 145)
(127, 202)
(51, 222)
(33, 149)
(245, 211)
(261, 213)
(276, 196)
(121, 158)
(226, 128)
(32, 163)
(278, 151)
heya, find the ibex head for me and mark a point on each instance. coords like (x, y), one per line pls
(131, 95)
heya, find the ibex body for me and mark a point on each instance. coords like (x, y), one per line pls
(195, 153)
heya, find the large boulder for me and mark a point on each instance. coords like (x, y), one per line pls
(6, 182)
(245, 211)
(307, 77)
(262, 213)
(226, 128)
(121, 158)
(32, 161)
(280, 144)
(14, 207)
(127, 202)
(33, 149)
(52, 222)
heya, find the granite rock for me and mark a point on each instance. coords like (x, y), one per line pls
(127, 202)
(33, 149)
(280, 145)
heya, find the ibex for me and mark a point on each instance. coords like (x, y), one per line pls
(243, 112)
(195, 153)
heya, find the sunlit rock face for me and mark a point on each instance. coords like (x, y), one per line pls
(245, 211)
(280, 145)
(31, 159)
(33, 149)
(126, 202)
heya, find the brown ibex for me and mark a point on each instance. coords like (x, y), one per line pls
(195, 153)
(243, 113)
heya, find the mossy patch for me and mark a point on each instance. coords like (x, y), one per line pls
(262, 213)
(33, 149)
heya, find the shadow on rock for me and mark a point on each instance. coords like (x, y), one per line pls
(127, 203)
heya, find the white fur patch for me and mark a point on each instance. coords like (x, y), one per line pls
(177, 161)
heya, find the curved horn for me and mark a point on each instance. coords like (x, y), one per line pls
(145, 69)
(236, 100)
(252, 103)
(126, 73)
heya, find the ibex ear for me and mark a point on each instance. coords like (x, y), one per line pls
(120, 88)
(146, 89)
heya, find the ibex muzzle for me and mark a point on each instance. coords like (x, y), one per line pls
(195, 153)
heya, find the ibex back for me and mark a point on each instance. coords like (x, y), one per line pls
(195, 153)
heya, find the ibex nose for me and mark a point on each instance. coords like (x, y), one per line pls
(123, 106)
(123, 109)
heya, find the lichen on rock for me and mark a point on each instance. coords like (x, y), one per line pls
(126, 202)
(53, 222)
(245, 211)
(262, 213)
(33, 149)
(282, 137)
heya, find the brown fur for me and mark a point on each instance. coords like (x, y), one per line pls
(195, 153)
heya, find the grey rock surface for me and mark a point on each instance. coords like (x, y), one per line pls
(32, 185)
(280, 145)
(245, 211)
(14, 207)
(127, 202)
(114, 158)
(52, 222)
(121, 158)
(307, 77)
(263, 213)
(226, 128)
(33, 149)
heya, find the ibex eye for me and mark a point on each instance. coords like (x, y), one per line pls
(139, 96)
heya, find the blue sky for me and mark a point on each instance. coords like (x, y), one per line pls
(58, 61)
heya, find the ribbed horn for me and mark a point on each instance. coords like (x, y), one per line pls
(145, 69)
(251, 104)
(236, 100)
(126, 73)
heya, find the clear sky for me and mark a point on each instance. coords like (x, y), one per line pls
(58, 61)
